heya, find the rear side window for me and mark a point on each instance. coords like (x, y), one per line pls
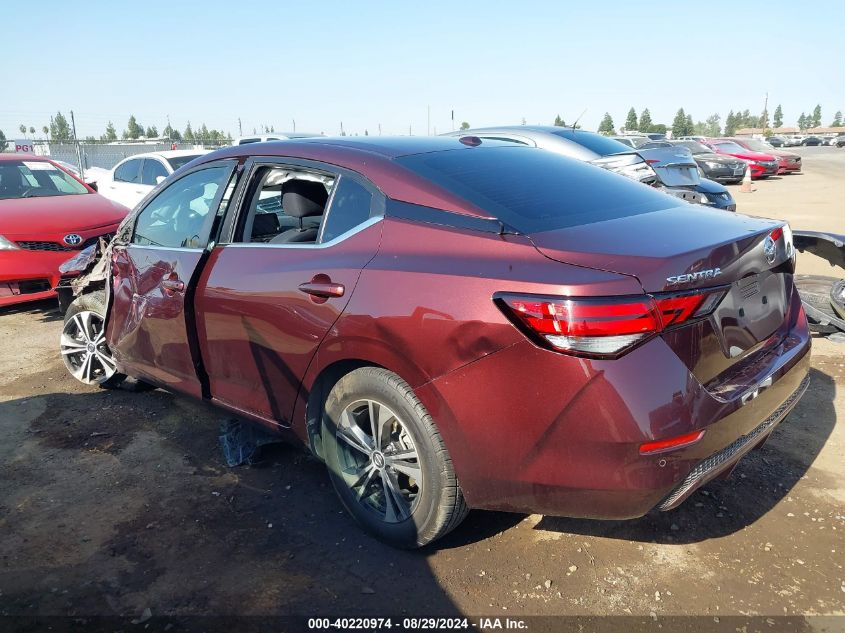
(130, 171)
(534, 190)
(350, 207)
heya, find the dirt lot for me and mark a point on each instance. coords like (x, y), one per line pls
(114, 502)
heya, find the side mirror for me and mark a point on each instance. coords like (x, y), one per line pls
(160, 179)
(93, 185)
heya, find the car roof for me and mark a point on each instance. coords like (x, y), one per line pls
(22, 156)
(374, 158)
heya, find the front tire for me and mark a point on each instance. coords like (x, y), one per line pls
(387, 461)
(83, 342)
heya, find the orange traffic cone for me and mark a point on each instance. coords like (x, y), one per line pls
(746, 181)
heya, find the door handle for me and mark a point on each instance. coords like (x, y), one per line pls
(172, 285)
(322, 290)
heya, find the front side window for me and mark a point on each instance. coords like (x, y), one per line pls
(35, 179)
(287, 205)
(152, 170)
(178, 216)
(130, 171)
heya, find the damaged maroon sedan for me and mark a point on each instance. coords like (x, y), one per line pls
(455, 323)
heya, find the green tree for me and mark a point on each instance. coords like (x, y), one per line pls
(32, 130)
(713, 125)
(22, 128)
(171, 133)
(778, 121)
(659, 128)
(46, 132)
(606, 125)
(764, 119)
(2, 141)
(111, 133)
(133, 129)
(679, 124)
(152, 132)
(817, 116)
(559, 122)
(803, 122)
(631, 120)
(188, 134)
(465, 125)
(202, 133)
(645, 121)
(688, 129)
(837, 119)
(730, 124)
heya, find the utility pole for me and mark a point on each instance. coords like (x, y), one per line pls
(294, 124)
(240, 127)
(76, 142)
(379, 129)
(766, 113)
(341, 129)
(453, 119)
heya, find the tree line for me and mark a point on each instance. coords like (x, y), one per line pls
(60, 130)
(683, 124)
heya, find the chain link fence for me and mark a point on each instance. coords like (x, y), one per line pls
(105, 155)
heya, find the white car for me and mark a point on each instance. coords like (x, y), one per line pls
(277, 136)
(134, 177)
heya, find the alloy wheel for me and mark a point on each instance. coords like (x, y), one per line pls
(379, 461)
(84, 349)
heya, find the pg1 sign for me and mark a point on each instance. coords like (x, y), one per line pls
(24, 147)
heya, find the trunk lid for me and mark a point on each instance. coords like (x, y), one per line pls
(679, 250)
(675, 166)
(669, 249)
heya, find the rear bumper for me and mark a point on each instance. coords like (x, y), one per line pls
(533, 431)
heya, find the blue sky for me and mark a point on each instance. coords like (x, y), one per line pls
(383, 63)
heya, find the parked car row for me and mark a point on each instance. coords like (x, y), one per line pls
(794, 140)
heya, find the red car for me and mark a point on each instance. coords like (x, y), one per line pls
(788, 162)
(45, 214)
(452, 323)
(762, 165)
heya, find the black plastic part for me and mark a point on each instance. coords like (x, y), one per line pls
(240, 442)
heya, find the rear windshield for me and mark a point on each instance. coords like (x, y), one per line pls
(597, 143)
(533, 190)
(177, 161)
(36, 179)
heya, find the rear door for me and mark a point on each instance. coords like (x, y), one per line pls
(264, 301)
(151, 273)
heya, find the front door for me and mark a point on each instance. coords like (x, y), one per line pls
(148, 328)
(267, 300)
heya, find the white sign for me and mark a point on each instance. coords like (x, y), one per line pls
(24, 147)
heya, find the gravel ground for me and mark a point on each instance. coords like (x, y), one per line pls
(114, 502)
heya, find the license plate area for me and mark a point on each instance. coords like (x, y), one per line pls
(753, 309)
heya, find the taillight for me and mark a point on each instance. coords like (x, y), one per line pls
(679, 441)
(603, 326)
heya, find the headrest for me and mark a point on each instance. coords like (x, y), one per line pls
(265, 224)
(303, 198)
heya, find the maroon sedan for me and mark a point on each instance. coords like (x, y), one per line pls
(453, 323)
(45, 214)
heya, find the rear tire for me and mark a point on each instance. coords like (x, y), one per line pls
(387, 461)
(84, 350)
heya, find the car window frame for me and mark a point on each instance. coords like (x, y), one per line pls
(240, 201)
(137, 181)
(127, 229)
(164, 167)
